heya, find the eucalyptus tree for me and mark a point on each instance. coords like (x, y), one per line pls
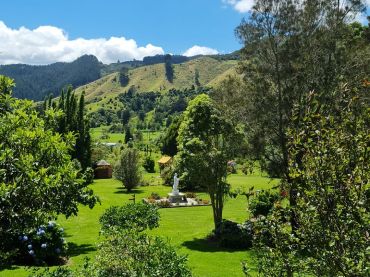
(206, 142)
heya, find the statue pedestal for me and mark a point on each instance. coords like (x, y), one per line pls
(177, 197)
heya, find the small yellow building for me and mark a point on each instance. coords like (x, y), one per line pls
(164, 162)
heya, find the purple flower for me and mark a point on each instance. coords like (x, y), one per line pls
(20, 237)
(29, 246)
(57, 250)
(43, 245)
(25, 238)
(31, 252)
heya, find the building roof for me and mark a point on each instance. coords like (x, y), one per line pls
(164, 159)
(102, 162)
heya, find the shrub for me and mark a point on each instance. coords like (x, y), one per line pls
(247, 168)
(127, 169)
(38, 180)
(154, 196)
(263, 202)
(138, 216)
(167, 174)
(130, 253)
(149, 165)
(164, 203)
(191, 194)
(232, 167)
(88, 175)
(44, 245)
(48, 272)
(233, 235)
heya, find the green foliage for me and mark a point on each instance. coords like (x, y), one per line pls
(127, 168)
(103, 117)
(123, 77)
(73, 120)
(36, 82)
(169, 140)
(88, 175)
(207, 142)
(125, 117)
(131, 216)
(291, 49)
(128, 135)
(196, 78)
(169, 68)
(130, 253)
(38, 180)
(44, 245)
(149, 164)
(49, 272)
(233, 235)
(263, 202)
(329, 167)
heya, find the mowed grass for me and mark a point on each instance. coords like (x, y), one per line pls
(185, 228)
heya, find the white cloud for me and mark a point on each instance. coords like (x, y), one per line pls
(241, 6)
(199, 50)
(48, 44)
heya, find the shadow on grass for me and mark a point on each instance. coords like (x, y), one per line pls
(9, 267)
(122, 190)
(205, 245)
(79, 249)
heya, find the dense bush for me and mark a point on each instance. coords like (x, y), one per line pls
(127, 168)
(154, 196)
(263, 202)
(149, 165)
(89, 175)
(167, 174)
(38, 180)
(44, 245)
(137, 254)
(131, 216)
(233, 235)
(190, 194)
(129, 253)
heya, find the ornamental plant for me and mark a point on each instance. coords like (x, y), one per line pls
(131, 216)
(44, 245)
(38, 179)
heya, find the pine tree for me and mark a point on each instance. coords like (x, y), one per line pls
(73, 120)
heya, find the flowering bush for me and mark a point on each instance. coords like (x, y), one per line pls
(44, 245)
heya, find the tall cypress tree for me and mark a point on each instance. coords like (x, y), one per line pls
(73, 120)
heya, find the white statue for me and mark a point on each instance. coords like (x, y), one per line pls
(175, 188)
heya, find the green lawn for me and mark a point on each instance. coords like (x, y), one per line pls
(185, 228)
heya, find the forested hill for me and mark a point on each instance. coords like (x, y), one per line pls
(35, 82)
(203, 71)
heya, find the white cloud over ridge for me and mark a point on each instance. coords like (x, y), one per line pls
(241, 6)
(200, 50)
(48, 44)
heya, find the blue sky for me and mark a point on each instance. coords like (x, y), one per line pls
(116, 29)
(175, 25)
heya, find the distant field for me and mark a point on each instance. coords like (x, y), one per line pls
(185, 228)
